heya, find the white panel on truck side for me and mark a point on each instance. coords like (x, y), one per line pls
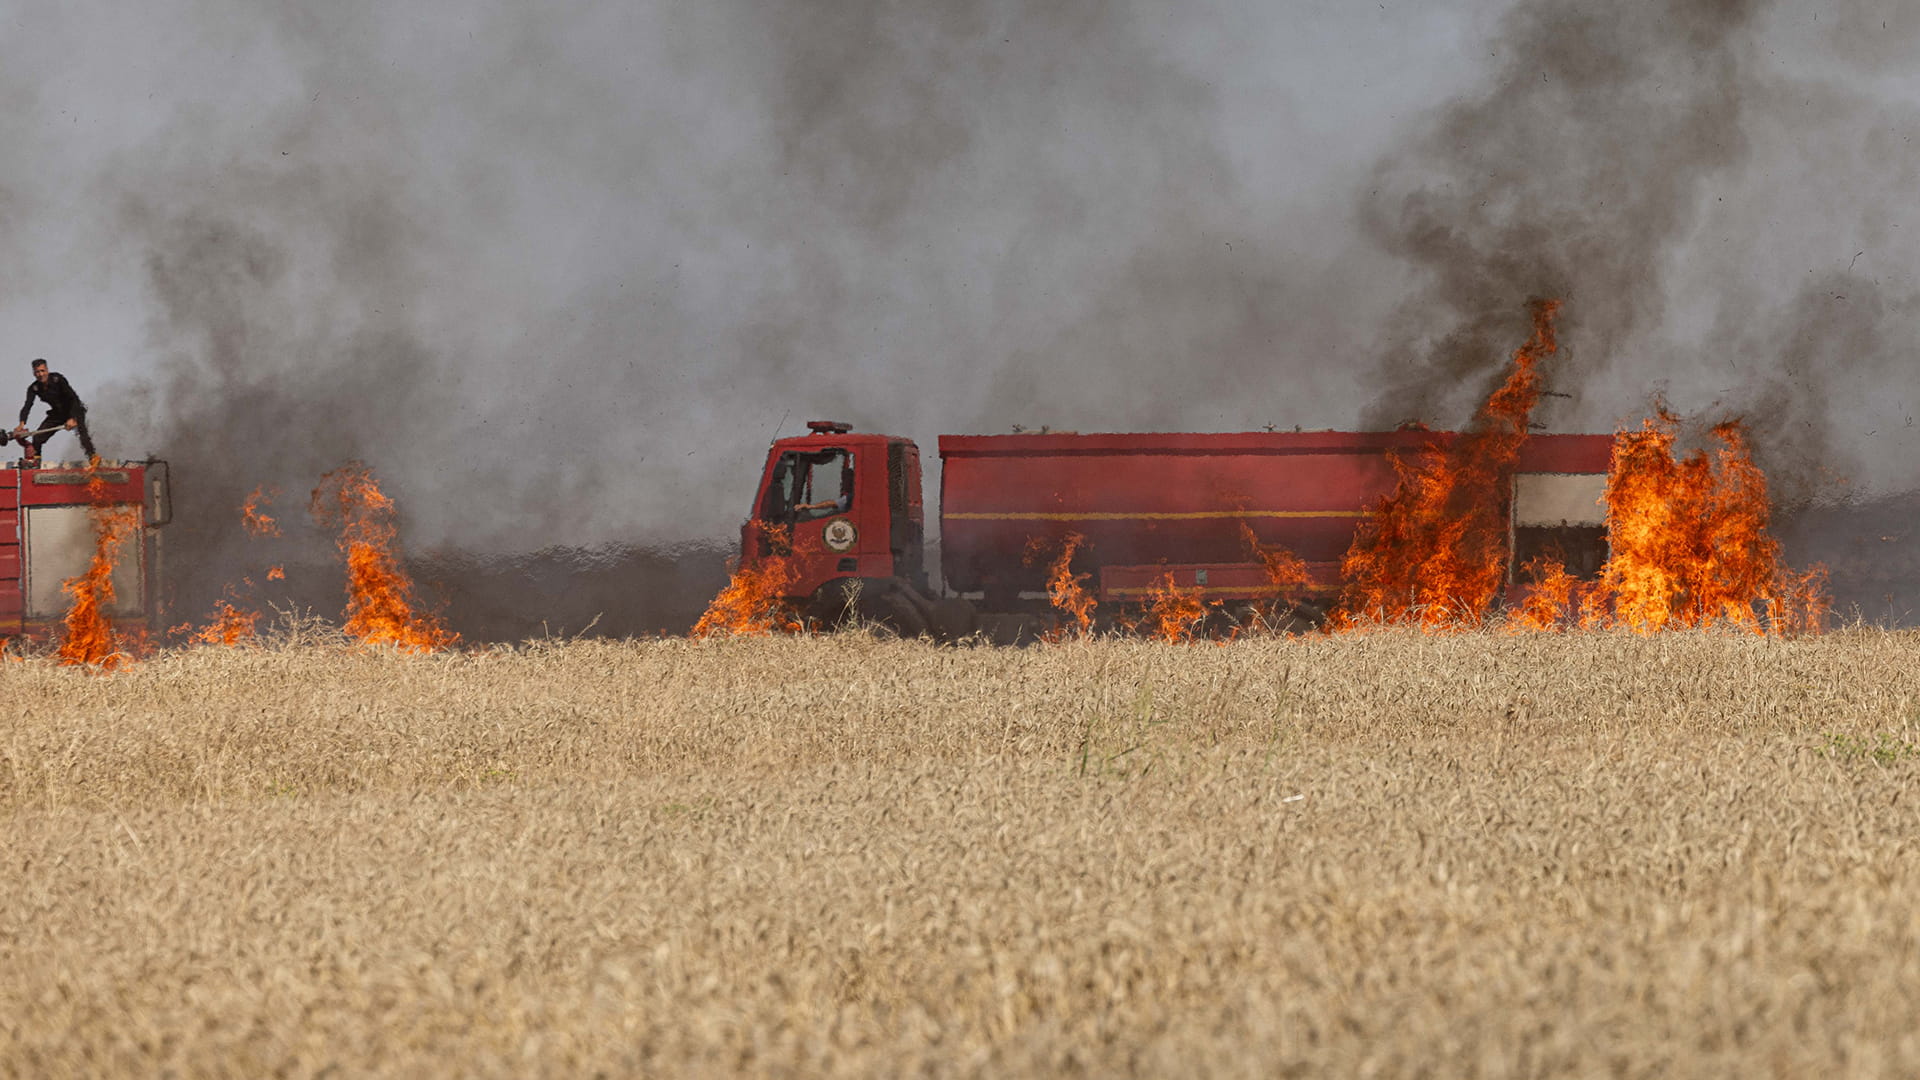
(59, 545)
(1556, 499)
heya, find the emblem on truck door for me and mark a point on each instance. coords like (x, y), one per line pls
(840, 535)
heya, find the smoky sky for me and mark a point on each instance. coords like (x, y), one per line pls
(1712, 187)
(558, 272)
(1568, 175)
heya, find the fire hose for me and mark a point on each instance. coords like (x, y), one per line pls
(23, 436)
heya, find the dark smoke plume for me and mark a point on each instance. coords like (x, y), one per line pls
(1715, 192)
(281, 358)
(1570, 176)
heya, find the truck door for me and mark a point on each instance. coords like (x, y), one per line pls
(809, 499)
(906, 520)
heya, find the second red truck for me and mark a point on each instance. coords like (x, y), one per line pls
(845, 510)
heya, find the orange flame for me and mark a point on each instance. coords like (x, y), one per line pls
(230, 626)
(1173, 614)
(379, 594)
(90, 638)
(753, 602)
(1688, 536)
(256, 520)
(1552, 599)
(1066, 590)
(1800, 603)
(1435, 551)
(1690, 541)
(1286, 572)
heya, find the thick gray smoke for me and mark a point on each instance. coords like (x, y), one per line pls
(1716, 188)
(558, 276)
(1571, 175)
(557, 272)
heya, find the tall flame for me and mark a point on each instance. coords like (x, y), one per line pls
(1435, 551)
(753, 602)
(1066, 590)
(90, 638)
(1286, 572)
(379, 594)
(1690, 541)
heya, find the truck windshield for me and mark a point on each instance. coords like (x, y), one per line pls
(808, 485)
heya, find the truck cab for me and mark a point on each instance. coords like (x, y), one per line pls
(839, 506)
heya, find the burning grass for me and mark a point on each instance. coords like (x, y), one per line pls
(1688, 535)
(1386, 853)
(380, 598)
(1690, 547)
(231, 626)
(1690, 538)
(1171, 613)
(753, 602)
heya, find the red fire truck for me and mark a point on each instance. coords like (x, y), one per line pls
(1147, 507)
(47, 537)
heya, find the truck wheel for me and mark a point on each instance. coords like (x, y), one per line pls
(886, 603)
(892, 609)
(1300, 619)
(950, 619)
(838, 603)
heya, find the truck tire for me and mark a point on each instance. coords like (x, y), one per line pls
(885, 604)
(950, 619)
(890, 608)
(837, 604)
(1298, 619)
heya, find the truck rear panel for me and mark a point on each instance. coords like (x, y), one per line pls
(47, 537)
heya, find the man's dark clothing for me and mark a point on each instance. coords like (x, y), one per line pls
(62, 405)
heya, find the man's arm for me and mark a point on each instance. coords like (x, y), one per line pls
(28, 407)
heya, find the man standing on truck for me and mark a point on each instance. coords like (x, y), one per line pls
(65, 411)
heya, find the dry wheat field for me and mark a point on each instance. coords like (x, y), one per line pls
(1370, 855)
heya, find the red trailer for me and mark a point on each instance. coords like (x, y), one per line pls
(1152, 504)
(47, 537)
(1145, 505)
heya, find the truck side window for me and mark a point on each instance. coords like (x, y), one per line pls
(809, 485)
